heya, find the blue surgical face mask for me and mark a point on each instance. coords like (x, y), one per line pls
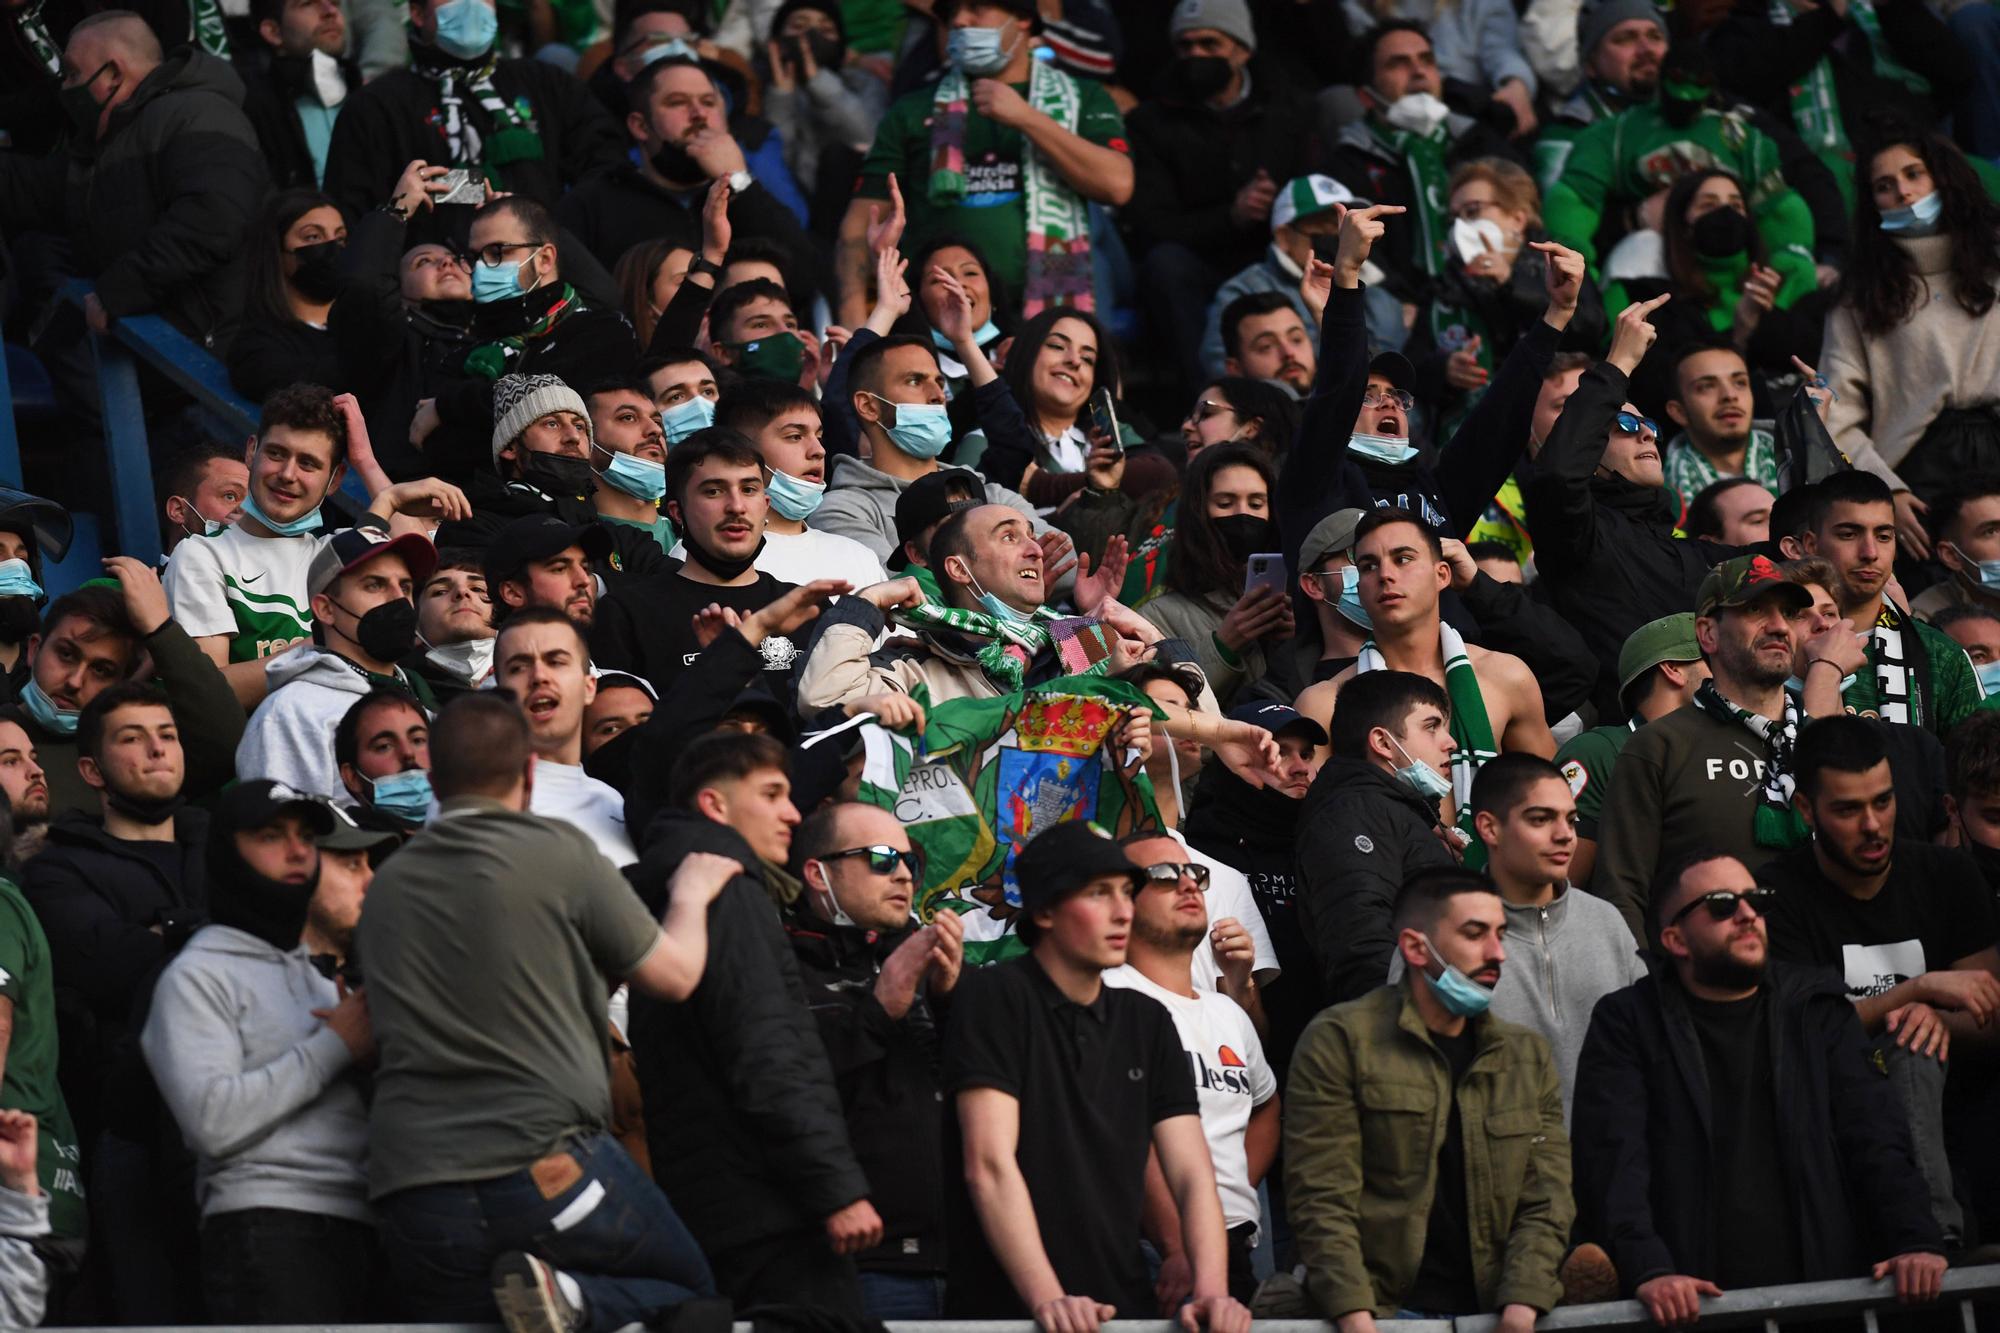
(16, 580)
(405, 796)
(1986, 573)
(298, 527)
(1919, 219)
(1421, 778)
(792, 498)
(996, 608)
(986, 334)
(684, 419)
(977, 51)
(1989, 677)
(1457, 992)
(1350, 598)
(496, 282)
(1797, 685)
(466, 28)
(922, 430)
(1381, 448)
(640, 478)
(62, 721)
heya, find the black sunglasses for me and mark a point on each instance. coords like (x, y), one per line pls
(1170, 872)
(882, 859)
(1722, 903)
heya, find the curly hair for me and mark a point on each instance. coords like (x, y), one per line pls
(1881, 282)
(307, 407)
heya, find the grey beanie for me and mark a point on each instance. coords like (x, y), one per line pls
(1231, 18)
(1598, 17)
(521, 400)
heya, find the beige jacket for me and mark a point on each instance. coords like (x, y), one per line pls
(1891, 388)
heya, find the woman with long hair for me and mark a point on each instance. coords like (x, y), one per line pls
(293, 267)
(1241, 410)
(1225, 517)
(647, 276)
(1911, 351)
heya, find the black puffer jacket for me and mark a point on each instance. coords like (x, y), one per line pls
(158, 208)
(1606, 545)
(742, 1117)
(1361, 833)
(887, 1072)
(1640, 1140)
(395, 119)
(272, 86)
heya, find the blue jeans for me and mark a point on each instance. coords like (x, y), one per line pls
(901, 1296)
(586, 1209)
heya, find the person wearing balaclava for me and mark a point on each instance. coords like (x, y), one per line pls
(365, 622)
(542, 447)
(255, 1054)
(524, 126)
(32, 531)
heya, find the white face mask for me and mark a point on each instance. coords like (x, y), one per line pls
(1419, 113)
(1473, 237)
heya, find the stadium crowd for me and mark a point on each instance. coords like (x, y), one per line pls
(895, 659)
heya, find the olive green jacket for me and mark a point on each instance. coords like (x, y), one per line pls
(1365, 1116)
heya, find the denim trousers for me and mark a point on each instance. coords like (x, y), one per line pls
(902, 1295)
(586, 1209)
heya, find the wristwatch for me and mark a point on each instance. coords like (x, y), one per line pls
(739, 181)
(700, 264)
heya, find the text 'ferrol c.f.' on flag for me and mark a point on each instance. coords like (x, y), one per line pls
(987, 775)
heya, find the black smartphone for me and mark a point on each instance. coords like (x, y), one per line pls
(1325, 247)
(1104, 418)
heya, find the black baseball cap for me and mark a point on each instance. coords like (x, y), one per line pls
(254, 804)
(536, 537)
(348, 835)
(1026, 9)
(926, 501)
(1396, 368)
(1060, 860)
(1279, 718)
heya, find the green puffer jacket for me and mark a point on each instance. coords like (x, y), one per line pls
(1365, 1115)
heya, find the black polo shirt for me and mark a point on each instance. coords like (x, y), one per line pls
(1092, 1081)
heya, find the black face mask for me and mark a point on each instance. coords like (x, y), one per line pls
(81, 107)
(1680, 110)
(18, 619)
(1720, 233)
(1987, 857)
(828, 52)
(318, 273)
(1244, 535)
(715, 564)
(677, 164)
(150, 811)
(558, 475)
(387, 632)
(1197, 78)
(270, 909)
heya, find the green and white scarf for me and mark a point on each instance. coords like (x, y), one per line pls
(1470, 727)
(1900, 695)
(1689, 472)
(1816, 104)
(1083, 645)
(1451, 326)
(209, 33)
(1777, 822)
(515, 135)
(1059, 268)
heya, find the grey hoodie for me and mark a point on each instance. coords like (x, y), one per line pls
(259, 1087)
(861, 503)
(1552, 990)
(289, 738)
(24, 1278)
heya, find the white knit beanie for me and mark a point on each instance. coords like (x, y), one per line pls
(521, 400)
